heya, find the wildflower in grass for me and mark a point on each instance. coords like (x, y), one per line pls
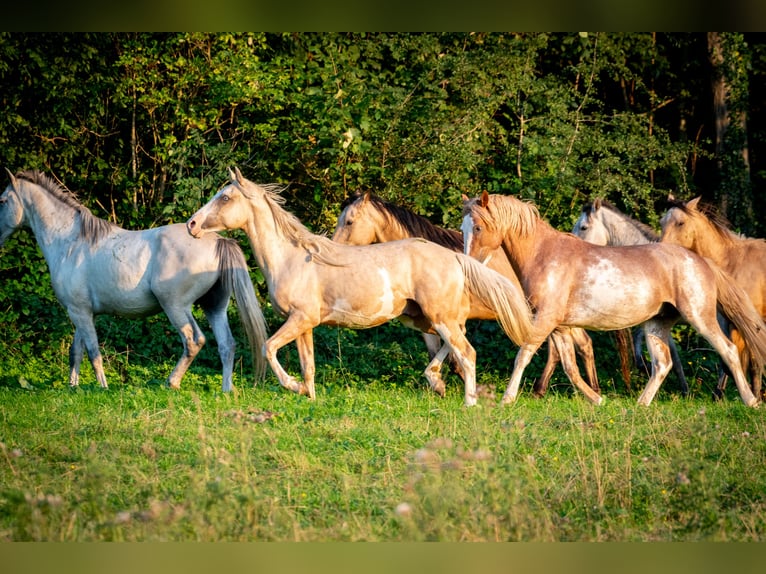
(403, 509)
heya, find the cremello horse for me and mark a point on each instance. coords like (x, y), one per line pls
(601, 223)
(99, 268)
(703, 230)
(366, 219)
(313, 280)
(575, 283)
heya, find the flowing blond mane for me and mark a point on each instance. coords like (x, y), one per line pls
(506, 213)
(320, 247)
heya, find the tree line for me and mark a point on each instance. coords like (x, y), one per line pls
(143, 126)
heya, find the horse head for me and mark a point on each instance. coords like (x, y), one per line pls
(589, 225)
(677, 223)
(481, 235)
(11, 209)
(227, 209)
(357, 223)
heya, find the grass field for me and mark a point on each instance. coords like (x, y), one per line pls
(375, 458)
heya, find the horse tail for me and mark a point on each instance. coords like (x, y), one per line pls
(738, 307)
(625, 350)
(499, 294)
(236, 277)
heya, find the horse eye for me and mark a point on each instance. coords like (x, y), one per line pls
(225, 198)
(477, 228)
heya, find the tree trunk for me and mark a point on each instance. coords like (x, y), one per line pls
(730, 90)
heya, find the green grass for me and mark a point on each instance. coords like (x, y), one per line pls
(376, 459)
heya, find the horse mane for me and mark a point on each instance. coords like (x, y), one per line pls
(506, 212)
(640, 226)
(92, 229)
(318, 246)
(717, 220)
(413, 224)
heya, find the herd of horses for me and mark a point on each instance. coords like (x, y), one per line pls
(383, 262)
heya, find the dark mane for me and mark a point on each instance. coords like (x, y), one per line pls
(92, 228)
(642, 227)
(414, 225)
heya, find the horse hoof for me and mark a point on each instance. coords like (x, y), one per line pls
(717, 395)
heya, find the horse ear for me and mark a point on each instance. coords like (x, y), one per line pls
(693, 203)
(232, 176)
(464, 197)
(597, 203)
(484, 201)
(13, 178)
(671, 197)
(365, 197)
(238, 174)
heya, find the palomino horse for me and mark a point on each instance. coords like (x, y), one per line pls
(601, 223)
(575, 283)
(366, 219)
(312, 280)
(99, 268)
(700, 228)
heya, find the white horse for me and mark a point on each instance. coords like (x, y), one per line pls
(99, 268)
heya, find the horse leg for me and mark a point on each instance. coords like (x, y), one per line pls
(85, 338)
(305, 344)
(678, 367)
(728, 352)
(638, 350)
(657, 333)
(192, 339)
(454, 337)
(745, 362)
(541, 386)
(564, 342)
(295, 325)
(584, 345)
(523, 357)
(76, 352)
(434, 344)
(219, 323)
(433, 370)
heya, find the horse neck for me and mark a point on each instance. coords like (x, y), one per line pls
(713, 243)
(622, 230)
(389, 229)
(521, 250)
(447, 238)
(54, 224)
(272, 248)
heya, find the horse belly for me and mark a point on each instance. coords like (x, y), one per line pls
(609, 299)
(121, 285)
(361, 302)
